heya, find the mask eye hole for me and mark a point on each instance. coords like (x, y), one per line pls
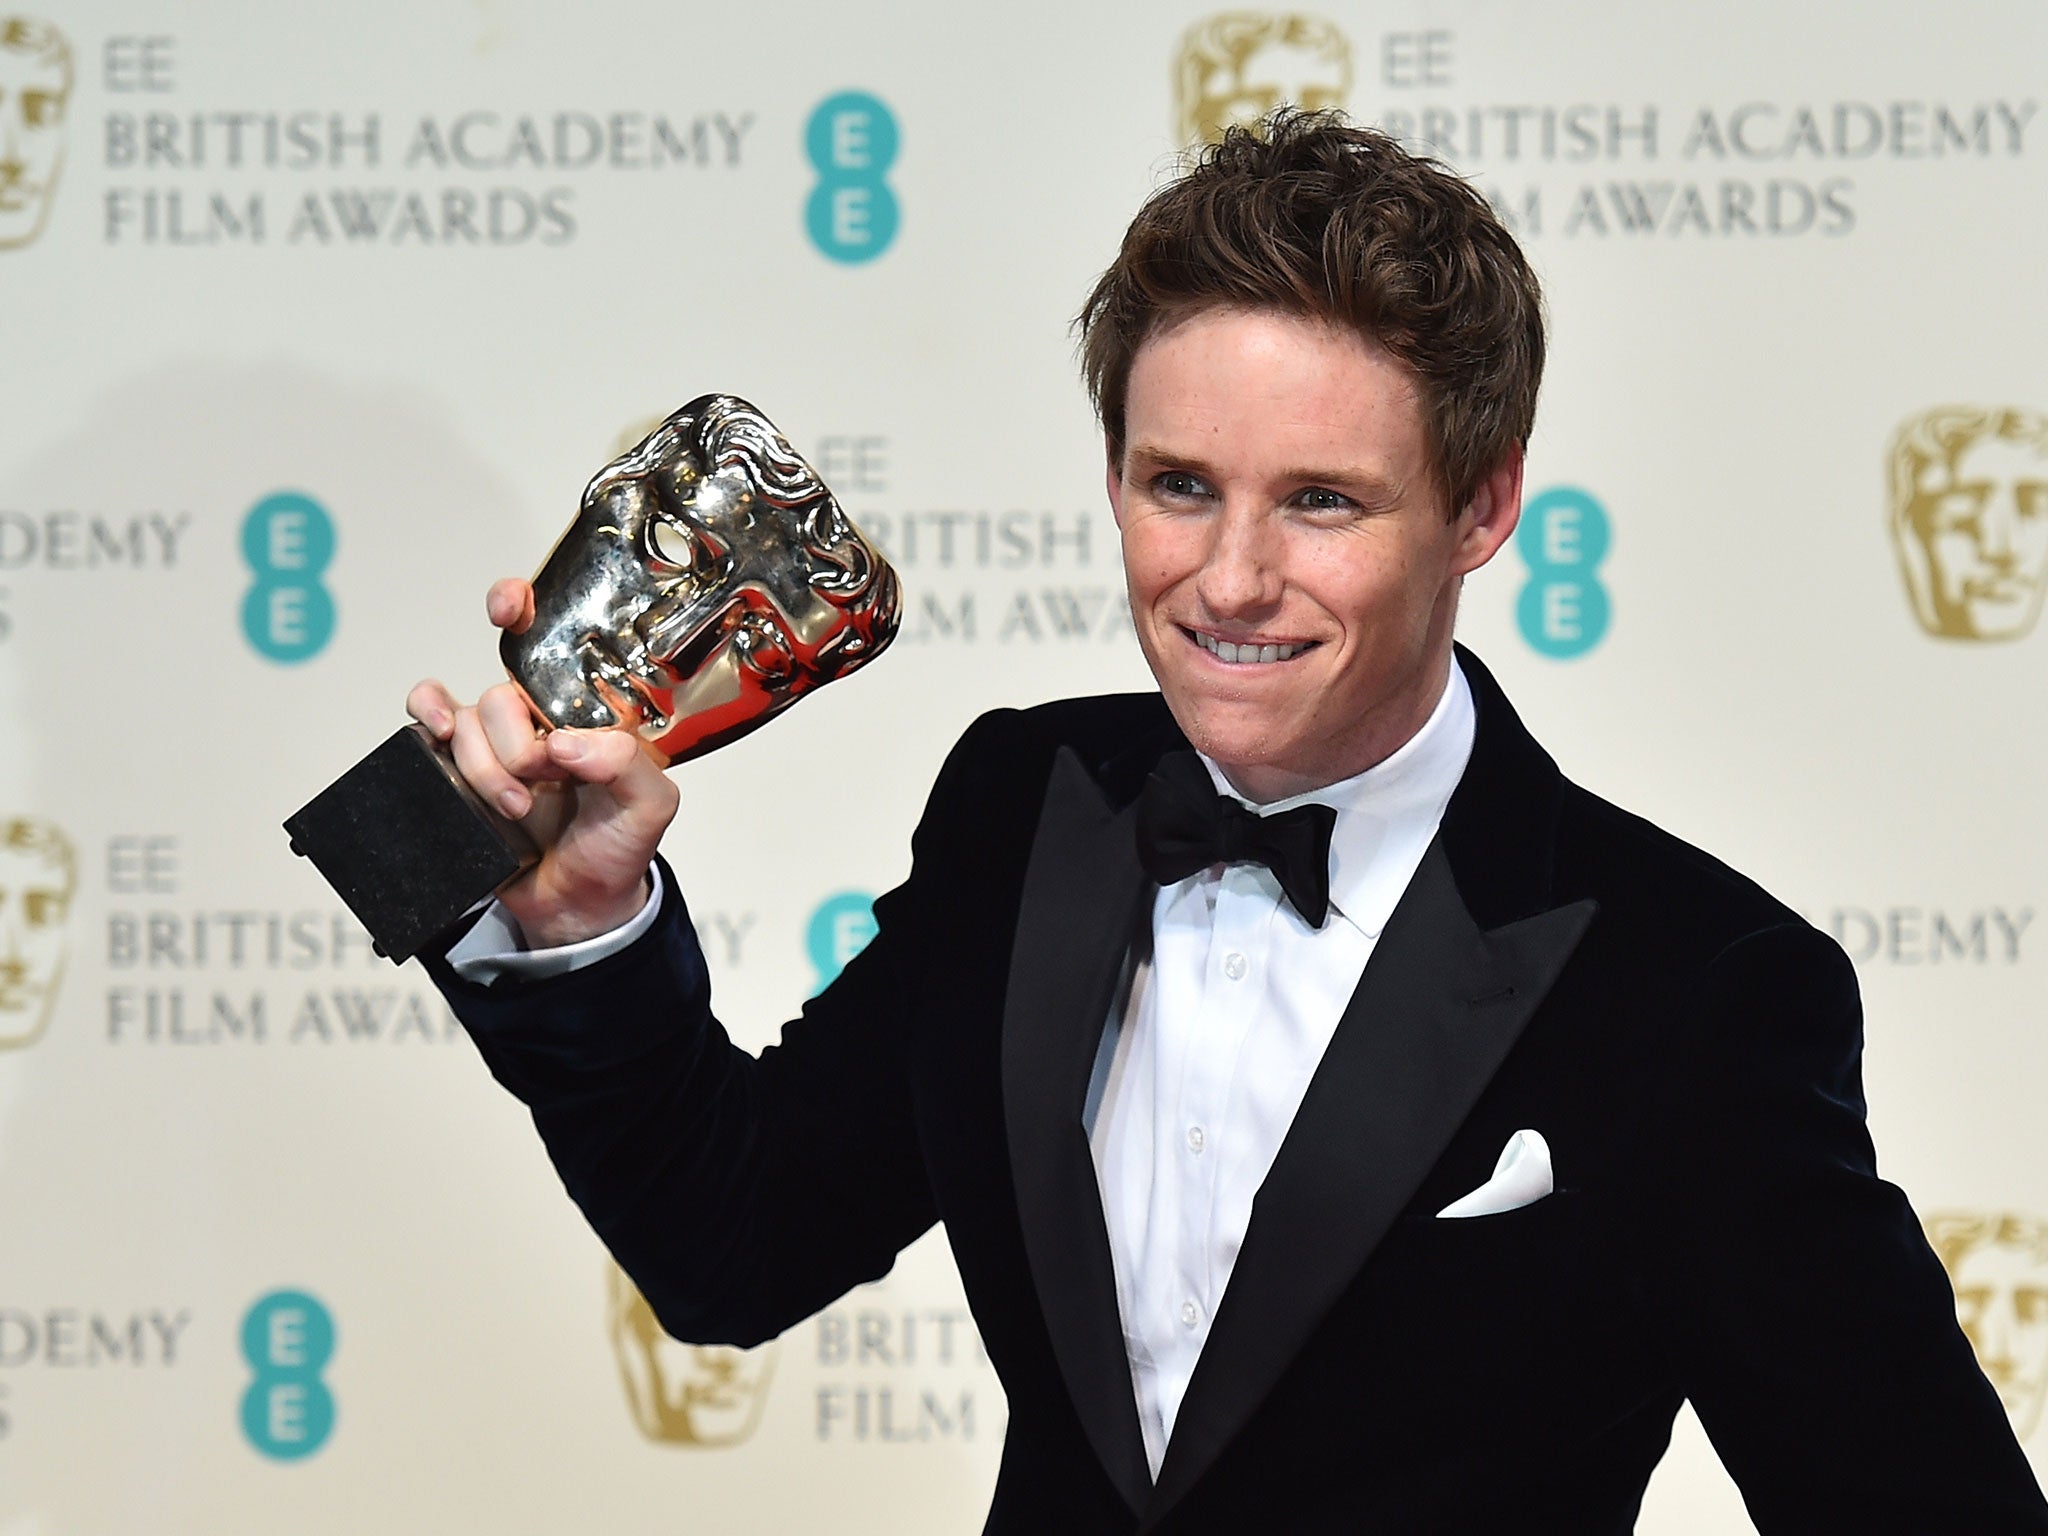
(685, 548)
(41, 109)
(670, 544)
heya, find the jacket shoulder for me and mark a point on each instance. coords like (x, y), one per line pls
(1095, 727)
(1116, 736)
(1643, 874)
(994, 780)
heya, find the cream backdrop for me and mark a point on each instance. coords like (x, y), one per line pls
(420, 265)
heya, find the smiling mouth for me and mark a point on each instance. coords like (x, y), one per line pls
(1248, 653)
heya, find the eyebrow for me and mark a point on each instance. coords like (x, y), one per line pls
(1363, 480)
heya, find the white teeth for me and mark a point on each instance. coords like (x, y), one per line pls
(1227, 650)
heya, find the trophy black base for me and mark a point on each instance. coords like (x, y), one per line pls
(406, 843)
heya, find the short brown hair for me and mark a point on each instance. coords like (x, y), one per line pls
(1310, 216)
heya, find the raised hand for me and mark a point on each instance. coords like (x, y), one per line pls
(596, 802)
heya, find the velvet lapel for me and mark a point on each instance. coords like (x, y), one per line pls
(1439, 1007)
(1081, 901)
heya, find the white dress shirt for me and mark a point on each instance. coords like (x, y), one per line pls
(1204, 1064)
(495, 949)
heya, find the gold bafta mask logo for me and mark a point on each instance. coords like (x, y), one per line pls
(705, 1395)
(35, 88)
(1998, 1264)
(1969, 519)
(1234, 68)
(38, 873)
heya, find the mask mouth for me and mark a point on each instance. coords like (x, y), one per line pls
(616, 687)
(703, 642)
(2003, 589)
(636, 687)
(20, 996)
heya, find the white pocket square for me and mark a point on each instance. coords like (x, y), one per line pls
(1521, 1177)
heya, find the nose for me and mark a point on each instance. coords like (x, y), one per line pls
(1997, 531)
(1995, 1352)
(1241, 576)
(11, 962)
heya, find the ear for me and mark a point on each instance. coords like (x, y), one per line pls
(1115, 485)
(1489, 519)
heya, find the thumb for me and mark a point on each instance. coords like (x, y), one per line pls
(615, 760)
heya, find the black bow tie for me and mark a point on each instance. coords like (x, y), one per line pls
(1184, 826)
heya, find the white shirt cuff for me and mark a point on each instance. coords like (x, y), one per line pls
(495, 950)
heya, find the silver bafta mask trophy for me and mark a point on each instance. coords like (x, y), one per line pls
(710, 580)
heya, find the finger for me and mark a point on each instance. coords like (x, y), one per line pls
(489, 777)
(616, 760)
(433, 706)
(509, 727)
(510, 604)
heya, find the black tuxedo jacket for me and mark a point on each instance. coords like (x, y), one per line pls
(1688, 1047)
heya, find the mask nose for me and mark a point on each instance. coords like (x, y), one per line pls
(13, 129)
(1997, 533)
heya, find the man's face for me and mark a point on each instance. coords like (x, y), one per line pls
(1293, 575)
(35, 82)
(2002, 1303)
(35, 896)
(1984, 528)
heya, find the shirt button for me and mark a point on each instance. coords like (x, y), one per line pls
(1234, 966)
(1195, 1138)
(1190, 1314)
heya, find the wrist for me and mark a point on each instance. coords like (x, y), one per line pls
(577, 924)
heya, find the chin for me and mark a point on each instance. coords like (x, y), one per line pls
(1234, 747)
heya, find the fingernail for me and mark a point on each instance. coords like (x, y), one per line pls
(567, 747)
(513, 802)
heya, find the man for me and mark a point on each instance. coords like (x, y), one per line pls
(1407, 1184)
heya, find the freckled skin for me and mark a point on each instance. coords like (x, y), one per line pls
(1275, 490)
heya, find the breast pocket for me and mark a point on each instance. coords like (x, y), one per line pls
(1487, 1293)
(1531, 1307)
(1537, 1246)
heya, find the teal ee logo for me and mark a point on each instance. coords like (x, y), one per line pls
(288, 540)
(839, 930)
(287, 1412)
(1563, 608)
(851, 141)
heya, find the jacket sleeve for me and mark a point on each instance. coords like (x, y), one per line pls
(1815, 1328)
(740, 1193)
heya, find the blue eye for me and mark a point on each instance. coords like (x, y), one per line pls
(1318, 499)
(1176, 482)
